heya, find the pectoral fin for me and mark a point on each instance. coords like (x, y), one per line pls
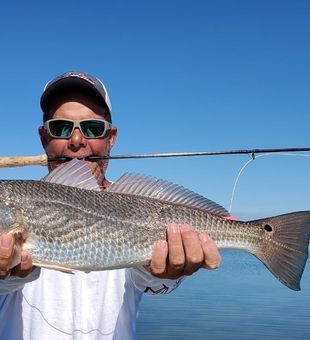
(54, 267)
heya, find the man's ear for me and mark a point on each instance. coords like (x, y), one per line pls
(43, 136)
(112, 136)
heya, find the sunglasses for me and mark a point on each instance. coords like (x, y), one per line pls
(90, 128)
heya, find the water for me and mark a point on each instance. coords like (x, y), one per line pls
(241, 300)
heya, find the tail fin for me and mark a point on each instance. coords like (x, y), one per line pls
(285, 249)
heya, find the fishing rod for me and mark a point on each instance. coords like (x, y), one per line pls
(16, 161)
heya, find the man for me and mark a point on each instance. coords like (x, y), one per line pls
(45, 304)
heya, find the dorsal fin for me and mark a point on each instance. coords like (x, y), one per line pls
(75, 173)
(146, 186)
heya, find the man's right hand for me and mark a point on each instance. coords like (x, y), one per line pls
(23, 268)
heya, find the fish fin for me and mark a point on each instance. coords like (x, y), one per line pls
(285, 251)
(146, 186)
(75, 173)
(54, 267)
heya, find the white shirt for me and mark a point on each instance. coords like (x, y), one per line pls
(98, 305)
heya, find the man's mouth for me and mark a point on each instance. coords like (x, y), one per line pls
(86, 158)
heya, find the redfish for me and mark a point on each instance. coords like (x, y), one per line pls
(69, 224)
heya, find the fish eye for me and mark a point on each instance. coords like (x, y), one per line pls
(268, 228)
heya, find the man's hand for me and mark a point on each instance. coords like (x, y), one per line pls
(8, 256)
(183, 253)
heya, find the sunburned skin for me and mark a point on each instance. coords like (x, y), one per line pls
(77, 146)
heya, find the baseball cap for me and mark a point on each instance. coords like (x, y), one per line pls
(75, 80)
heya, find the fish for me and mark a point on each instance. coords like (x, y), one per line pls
(69, 224)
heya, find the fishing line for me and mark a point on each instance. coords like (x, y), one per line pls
(60, 330)
(247, 163)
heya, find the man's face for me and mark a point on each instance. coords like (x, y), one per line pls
(77, 145)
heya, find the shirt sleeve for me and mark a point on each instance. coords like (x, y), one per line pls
(13, 283)
(149, 284)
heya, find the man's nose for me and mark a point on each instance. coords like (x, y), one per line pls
(77, 140)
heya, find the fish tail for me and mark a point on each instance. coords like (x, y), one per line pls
(285, 248)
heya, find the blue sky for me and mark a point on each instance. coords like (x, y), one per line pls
(183, 76)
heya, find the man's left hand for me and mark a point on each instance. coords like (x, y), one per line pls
(184, 252)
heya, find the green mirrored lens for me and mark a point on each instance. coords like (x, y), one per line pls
(93, 128)
(61, 128)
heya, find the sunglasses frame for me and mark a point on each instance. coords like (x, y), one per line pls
(76, 124)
